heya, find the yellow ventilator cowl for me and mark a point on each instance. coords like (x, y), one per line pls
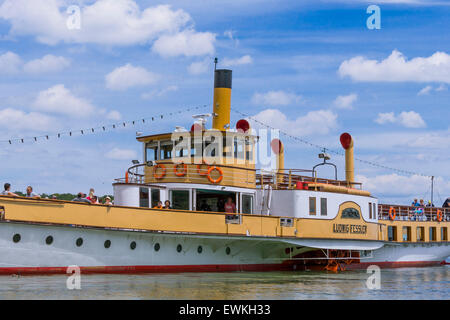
(222, 99)
(347, 144)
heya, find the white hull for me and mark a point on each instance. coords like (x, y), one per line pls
(31, 254)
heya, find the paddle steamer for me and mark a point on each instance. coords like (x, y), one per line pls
(285, 219)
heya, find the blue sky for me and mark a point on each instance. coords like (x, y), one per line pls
(312, 68)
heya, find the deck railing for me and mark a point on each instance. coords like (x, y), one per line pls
(410, 213)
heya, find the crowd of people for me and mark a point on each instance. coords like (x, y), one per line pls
(81, 197)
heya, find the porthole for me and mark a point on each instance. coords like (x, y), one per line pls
(199, 249)
(179, 248)
(49, 240)
(16, 238)
(133, 245)
(157, 247)
(228, 250)
(79, 242)
(107, 244)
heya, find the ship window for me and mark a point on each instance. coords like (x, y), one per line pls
(199, 249)
(374, 211)
(432, 232)
(247, 203)
(370, 210)
(406, 233)
(213, 200)
(16, 238)
(49, 240)
(444, 236)
(143, 197)
(239, 148)
(133, 245)
(249, 149)
(107, 244)
(157, 247)
(392, 233)
(180, 199)
(350, 213)
(166, 150)
(179, 248)
(312, 206)
(79, 242)
(323, 206)
(228, 250)
(151, 151)
(420, 234)
(155, 197)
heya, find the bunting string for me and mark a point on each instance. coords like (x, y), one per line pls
(101, 128)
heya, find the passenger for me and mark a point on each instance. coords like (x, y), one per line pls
(429, 205)
(95, 200)
(230, 206)
(159, 205)
(415, 203)
(7, 191)
(81, 198)
(108, 201)
(91, 194)
(167, 204)
(422, 203)
(31, 194)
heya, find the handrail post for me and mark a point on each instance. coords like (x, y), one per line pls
(290, 179)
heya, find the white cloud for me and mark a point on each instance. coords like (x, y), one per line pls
(199, 67)
(158, 93)
(15, 120)
(425, 91)
(48, 63)
(408, 119)
(345, 102)
(237, 62)
(129, 76)
(406, 187)
(275, 98)
(114, 115)
(106, 22)
(58, 99)
(396, 68)
(314, 122)
(188, 43)
(121, 154)
(441, 88)
(10, 63)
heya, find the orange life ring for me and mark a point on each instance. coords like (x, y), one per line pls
(210, 170)
(163, 173)
(126, 177)
(392, 216)
(178, 173)
(439, 215)
(200, 172)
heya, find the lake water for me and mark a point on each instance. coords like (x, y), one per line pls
(408, 283)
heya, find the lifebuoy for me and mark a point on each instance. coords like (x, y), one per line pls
(178, 173)
(439, 215)
(210, 170)
(163, 172)
(126, 177)
(392, 213)
(204, 172)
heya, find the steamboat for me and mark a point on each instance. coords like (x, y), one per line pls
(280, 219)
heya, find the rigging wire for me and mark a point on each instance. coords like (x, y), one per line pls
(374, 164)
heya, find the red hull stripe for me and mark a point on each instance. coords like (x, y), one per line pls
(203, 268)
